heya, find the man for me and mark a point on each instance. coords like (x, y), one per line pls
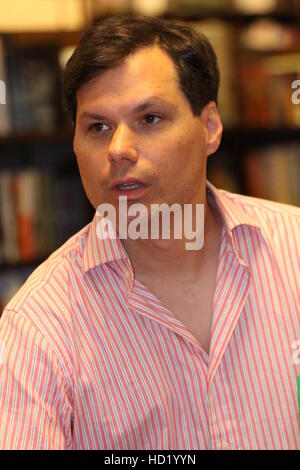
(141, 343)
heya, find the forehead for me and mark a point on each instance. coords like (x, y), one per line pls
(148, 71)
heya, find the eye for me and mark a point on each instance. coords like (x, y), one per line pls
(149, 118)
(97, 127)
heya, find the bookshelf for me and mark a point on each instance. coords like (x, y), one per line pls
(35, 154)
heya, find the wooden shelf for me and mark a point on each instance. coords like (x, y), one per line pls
(242, 134)
(259, 136)
(288, 17)
(27, 38)
(27, 138)
(22, 264)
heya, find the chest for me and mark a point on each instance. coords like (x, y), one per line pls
(191, 303)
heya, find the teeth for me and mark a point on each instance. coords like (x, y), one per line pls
(128, 186)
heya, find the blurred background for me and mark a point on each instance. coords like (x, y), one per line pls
(42, 202)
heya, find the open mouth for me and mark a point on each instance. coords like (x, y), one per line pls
(128, 186)
(132, 190)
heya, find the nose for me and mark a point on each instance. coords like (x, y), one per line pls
(122, 145)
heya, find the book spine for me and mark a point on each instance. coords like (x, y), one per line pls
(9, 218)
(5, 124)
(27, 195)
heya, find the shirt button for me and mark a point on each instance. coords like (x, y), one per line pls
(225, 445)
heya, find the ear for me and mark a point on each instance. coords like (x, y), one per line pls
(212, 121)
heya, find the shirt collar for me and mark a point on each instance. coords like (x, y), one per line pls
(100, 250)
(231, 210)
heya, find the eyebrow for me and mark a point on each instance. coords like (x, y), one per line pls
(152, 100)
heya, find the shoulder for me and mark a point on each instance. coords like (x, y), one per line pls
(52, 275)
(279, 225)
(43, 302)
(265, 213)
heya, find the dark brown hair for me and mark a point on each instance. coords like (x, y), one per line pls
(106, 43)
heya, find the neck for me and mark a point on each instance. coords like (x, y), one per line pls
(170, 257)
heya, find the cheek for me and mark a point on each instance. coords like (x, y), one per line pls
(89, 170)
(193, 148)
(184, 166)
(183, 157)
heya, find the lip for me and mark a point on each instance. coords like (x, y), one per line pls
(131, 194)
(126, 181)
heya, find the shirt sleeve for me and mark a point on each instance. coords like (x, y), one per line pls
(35, 409)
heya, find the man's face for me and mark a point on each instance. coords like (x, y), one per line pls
(144, 129)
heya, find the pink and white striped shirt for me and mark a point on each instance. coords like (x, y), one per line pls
(91, 359)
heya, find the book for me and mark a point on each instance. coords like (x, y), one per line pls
(46, 214)
(255, 91)
(5, 124)
(268, 65)
(39, 211)
(27, 197)
(222, 38)
(8, 218)
(34, 88)
(273, 173)
(293, 164)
